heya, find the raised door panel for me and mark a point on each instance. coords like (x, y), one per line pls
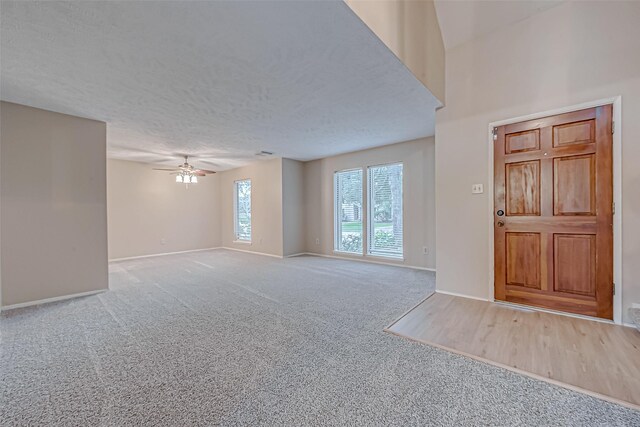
(523, 188)
(575, 263)
(553, 215)
(583, 132)
(522, 141)
(574, 185)
(523, 259)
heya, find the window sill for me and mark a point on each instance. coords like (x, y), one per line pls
(242, 242)
(347, 253)
(390, 257)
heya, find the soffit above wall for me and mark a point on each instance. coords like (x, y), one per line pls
(219, 81)
(410, 29)
(465, 20)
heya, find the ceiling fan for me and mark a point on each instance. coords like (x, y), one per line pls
(186, 173)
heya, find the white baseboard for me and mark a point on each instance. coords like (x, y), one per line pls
(54, 299)
(455, 294)
(295, 255)
(251, 252)
(370, 261)
(162, 254)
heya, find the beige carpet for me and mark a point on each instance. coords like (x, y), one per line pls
(227, 338)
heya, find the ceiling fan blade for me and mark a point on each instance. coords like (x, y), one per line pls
(204, 171)
(164, 169)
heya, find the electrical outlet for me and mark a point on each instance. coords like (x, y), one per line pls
(425, 250)
(477, 189)
(261, 240)
(317, 241)
(163, 241)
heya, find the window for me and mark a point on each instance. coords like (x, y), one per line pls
(385, 210)
(348, 211)
(242, 210)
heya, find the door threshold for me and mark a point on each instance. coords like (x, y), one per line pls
(524, 307)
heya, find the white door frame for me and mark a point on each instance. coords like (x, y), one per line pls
(616, 101)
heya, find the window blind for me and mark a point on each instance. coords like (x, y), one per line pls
(385, 232)
(242, 210)
(348, 211)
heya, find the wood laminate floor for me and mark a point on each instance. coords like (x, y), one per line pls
(595, 357)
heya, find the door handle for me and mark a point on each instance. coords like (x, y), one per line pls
(500, 223)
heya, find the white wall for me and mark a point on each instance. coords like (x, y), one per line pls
(149, 213)
(419, 198)
(53, 204)
(293, 214)
(266, 207)
(574, 53)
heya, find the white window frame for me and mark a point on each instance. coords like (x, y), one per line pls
(369, 216)
(236, 222)
(337, 222)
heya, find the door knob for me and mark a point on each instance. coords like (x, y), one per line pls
(500, 223)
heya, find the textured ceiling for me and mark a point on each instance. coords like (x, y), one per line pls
(464, 20)
(216, 80)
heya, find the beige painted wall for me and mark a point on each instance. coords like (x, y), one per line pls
(551, 60)
(53, 221)
(266, 207)
(293, 214)
(419, 198)
(149, 213)
(410, 29)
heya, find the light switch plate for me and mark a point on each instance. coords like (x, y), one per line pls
(477, 189)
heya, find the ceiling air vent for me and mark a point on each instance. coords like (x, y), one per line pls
(264, 153)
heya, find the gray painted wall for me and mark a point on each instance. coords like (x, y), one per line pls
(419, 198)
(53, 216)
(551, 60)
(266, 207)
(149, 213)
(293, 214)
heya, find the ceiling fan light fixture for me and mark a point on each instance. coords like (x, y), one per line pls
(186, 173)
(186, 178)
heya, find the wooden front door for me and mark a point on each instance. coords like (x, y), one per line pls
(553, 212)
